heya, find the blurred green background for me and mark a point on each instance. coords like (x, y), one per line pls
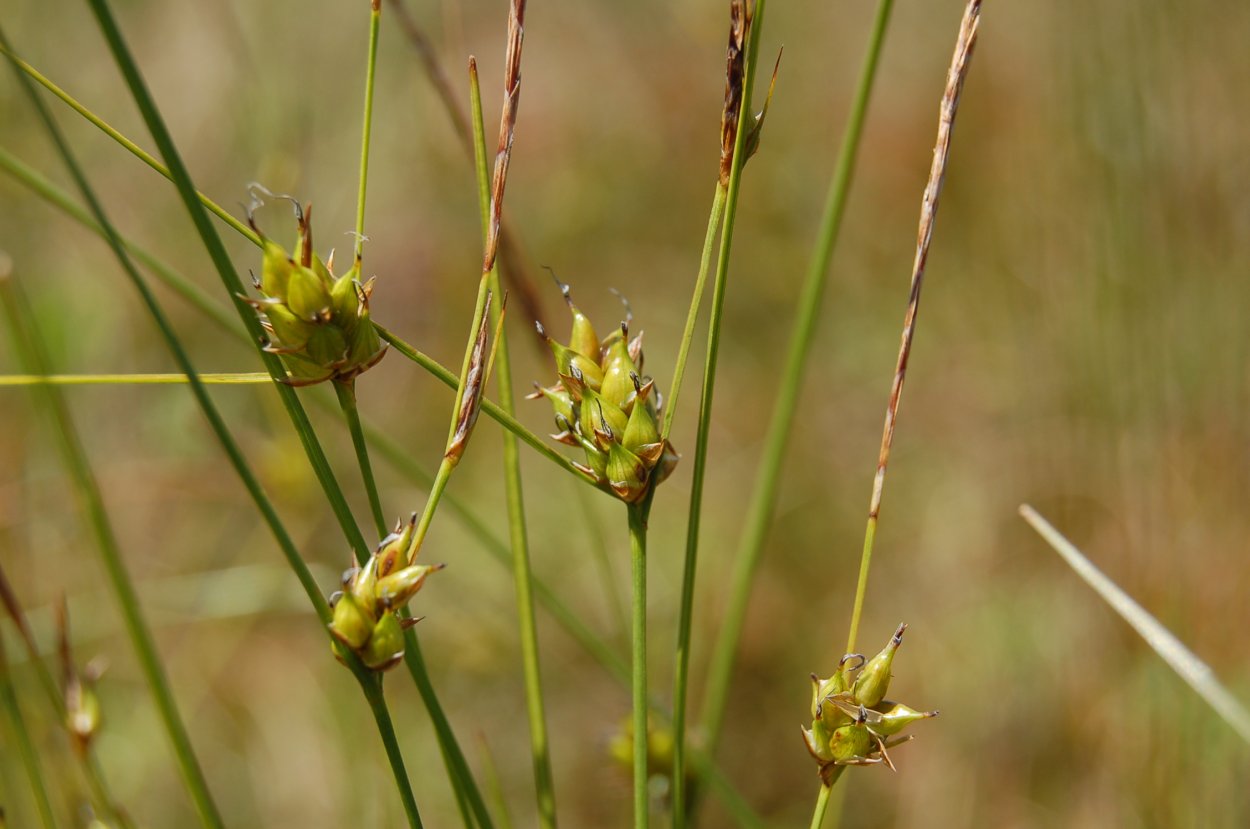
(1081, 347)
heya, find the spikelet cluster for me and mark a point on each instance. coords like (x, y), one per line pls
(604, 405)
(318, 323)
(853, 724)
(366, 611)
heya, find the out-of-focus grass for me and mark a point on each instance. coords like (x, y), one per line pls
(1081, 347)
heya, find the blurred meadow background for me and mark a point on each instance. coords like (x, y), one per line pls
(1082, 346)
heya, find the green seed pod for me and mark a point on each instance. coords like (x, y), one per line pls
(583, 338)
(307, 296)
(393, 550)
(619, 371)
(816, 739)
(599, 419)
(641, 430)
(851, 743)
(345, 302)
(627, 474)
(327, 348)
(364, 584)
(567, 360)
(352, 624)
(290, 333)
(895, 716)
(386, 645)
(874, 680)
(275, 270)
(396, 589)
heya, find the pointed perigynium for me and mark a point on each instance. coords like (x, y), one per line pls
(852, 722)
(604, 405)
(316, 322)
(366, 611)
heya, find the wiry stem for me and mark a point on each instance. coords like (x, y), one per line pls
(928, 212)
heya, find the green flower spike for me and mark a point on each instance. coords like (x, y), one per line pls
(852, 724)
(366, 612)
(318, 323)
(603, 405)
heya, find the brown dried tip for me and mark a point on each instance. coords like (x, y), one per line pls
(735, 80)
(507, 127)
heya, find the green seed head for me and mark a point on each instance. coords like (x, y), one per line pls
(604, 406)
(395, 590)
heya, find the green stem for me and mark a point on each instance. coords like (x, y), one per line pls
(638, 562)
(346, 393)
(25, 748)
(223, 379)
(682, 659)
(822, 803)
(544, 783)
(861, 584)
(696, 300)
(431, 505)
(763, 497)
(375, 18)
(372, 686)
